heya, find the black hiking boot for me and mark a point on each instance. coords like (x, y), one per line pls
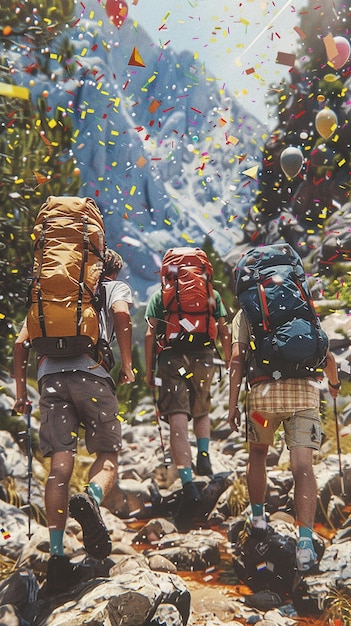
(203, 464)
(62, 575)
(189, 509)
(96, 537)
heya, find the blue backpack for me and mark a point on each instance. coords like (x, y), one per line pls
(287, 339)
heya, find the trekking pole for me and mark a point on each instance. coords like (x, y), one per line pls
(29, 455)
(341, 473)
(166, 457)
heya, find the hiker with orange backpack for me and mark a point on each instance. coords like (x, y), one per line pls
(279, 346)
(73, 370)
(184, 317)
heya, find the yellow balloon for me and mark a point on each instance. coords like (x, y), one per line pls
(326, 123)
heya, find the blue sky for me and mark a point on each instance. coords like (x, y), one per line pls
(237, 41)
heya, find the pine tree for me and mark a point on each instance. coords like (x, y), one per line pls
(35, 159)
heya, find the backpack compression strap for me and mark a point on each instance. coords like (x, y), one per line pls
(41, 317)
(208, 311)
(82, 272)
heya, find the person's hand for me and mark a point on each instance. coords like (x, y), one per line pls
(126, 375)
(334, 389)
(234, 418)
(21, 406)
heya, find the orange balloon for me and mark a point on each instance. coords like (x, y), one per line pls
(326, 122)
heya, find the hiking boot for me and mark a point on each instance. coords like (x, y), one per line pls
(189, 508)
(306, 557)
(203, 464)
(96, 537)
(62, 575)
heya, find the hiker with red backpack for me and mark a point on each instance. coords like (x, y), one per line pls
(281, 350)
(71, 319)
(184, 317)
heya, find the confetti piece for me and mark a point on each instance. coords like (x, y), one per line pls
(135, 59)
(153, 106)
(260, 419)
(300, 32)
(233, 140)
(252, 172)
(12, 91)
(330, 47)
(5, 534)
(141, 161)
(285, 58)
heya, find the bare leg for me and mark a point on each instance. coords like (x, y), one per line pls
(104, 470)
(179, 441)
(202, 427)
(305, 495)
(256, 474)
(56, 489)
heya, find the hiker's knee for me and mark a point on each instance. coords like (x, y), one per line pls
(109, 466)
(258, 451)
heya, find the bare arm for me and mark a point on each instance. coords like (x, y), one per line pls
(122, 324)
(236, 374)
(225, 339)
(331, 373)
(150, 341)
(20, 363)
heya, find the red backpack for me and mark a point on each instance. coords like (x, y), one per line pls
(187, 295)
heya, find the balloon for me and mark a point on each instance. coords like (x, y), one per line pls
(117, 10)
(331, 78)
(343, 48)
(291, 160)
(326, 123)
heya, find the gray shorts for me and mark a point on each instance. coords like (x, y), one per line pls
(71, 399)
(185, 383)
(302, 428)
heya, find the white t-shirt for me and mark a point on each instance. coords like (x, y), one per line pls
(115, 290)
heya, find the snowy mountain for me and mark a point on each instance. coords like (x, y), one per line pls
(169, 157)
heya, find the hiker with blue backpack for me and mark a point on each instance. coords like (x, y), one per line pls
(184, 317)
(71, 333)
(280, 348)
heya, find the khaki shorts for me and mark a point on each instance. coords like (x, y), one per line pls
(302, 428)
(69, 399)
(185, 383)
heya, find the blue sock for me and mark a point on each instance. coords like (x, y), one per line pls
(56, 542)
(203, 444)
(305, 532)
(185, 474)
(94, 490)
(257, 510)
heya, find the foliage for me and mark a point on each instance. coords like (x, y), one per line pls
(339, 288)
(338, 605)
(222, 279)
(36, 23)
(130, 395)
(35, 159)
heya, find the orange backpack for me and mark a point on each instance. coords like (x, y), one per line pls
(69, 247)
(187, 294)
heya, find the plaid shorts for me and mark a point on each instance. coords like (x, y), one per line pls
(71, 399)
(294, 403)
